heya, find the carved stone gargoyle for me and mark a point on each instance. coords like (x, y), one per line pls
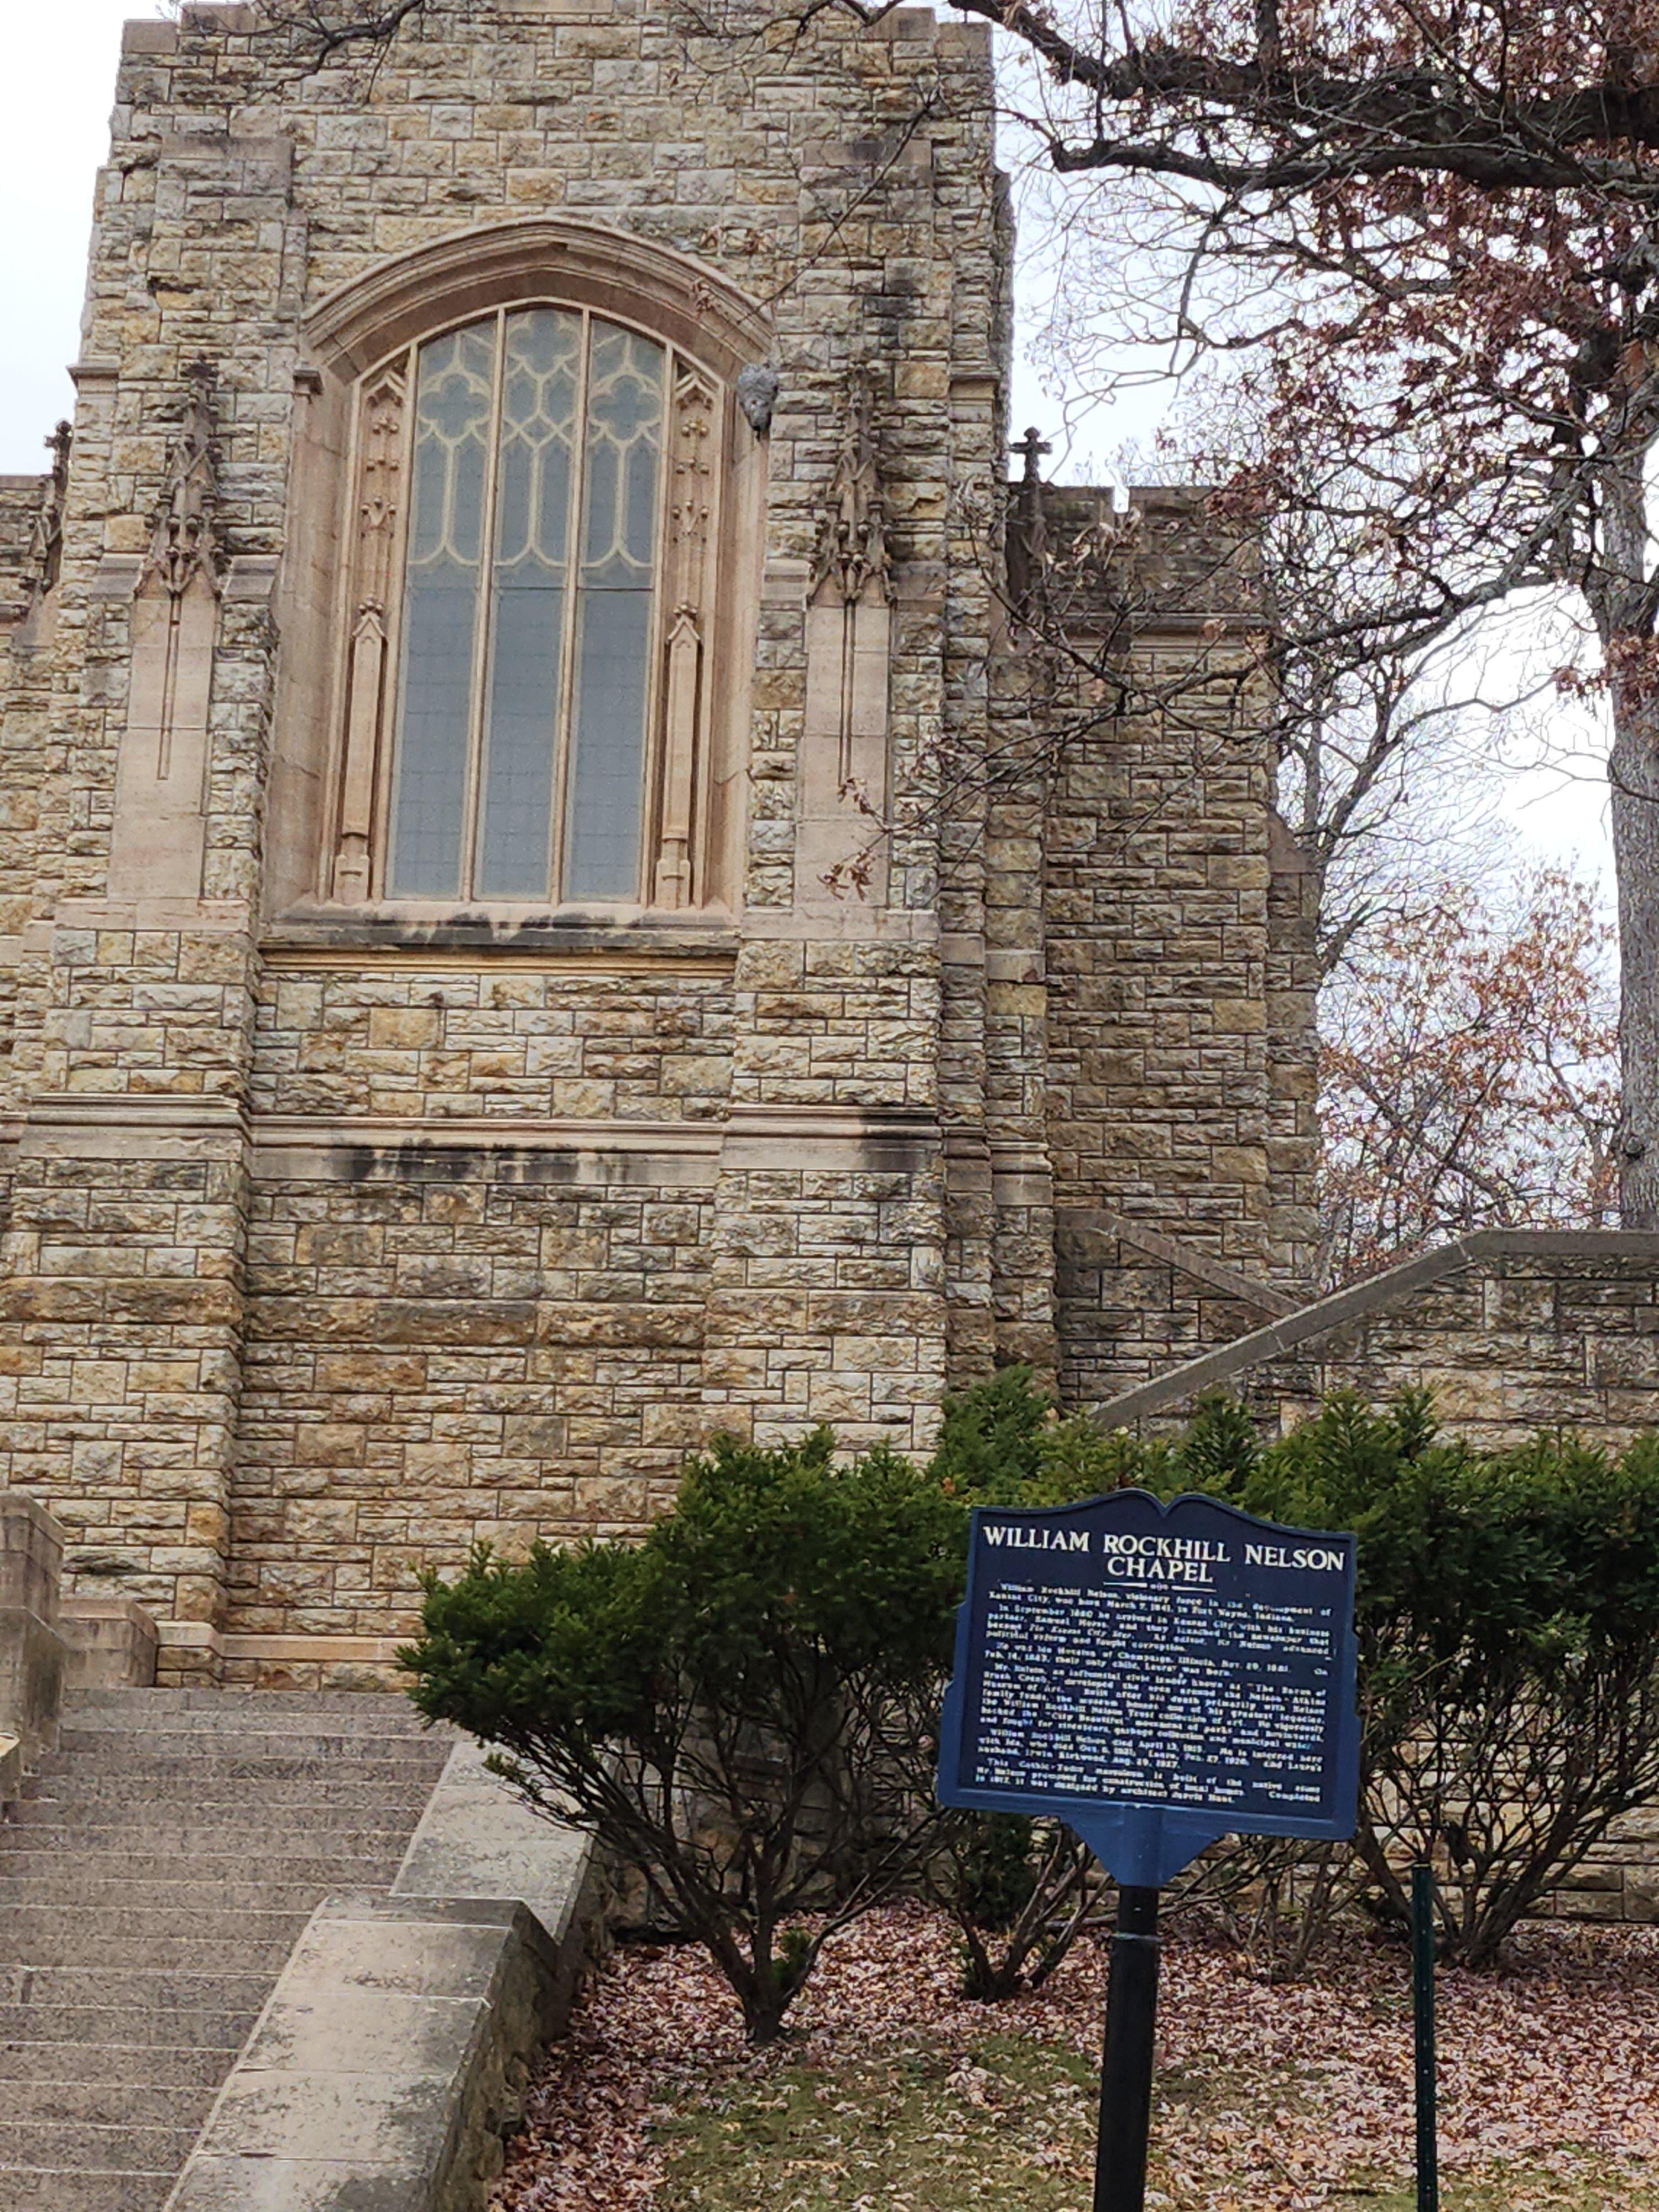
(45, 548)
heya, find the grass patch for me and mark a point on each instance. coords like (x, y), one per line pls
(1012, 2125)
(894, 2093)
(908, 2128)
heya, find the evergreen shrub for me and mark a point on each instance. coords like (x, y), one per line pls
(743, 1705)
(740, 1705)
(1508, 1619)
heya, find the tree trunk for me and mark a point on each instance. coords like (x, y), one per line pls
(766, 1997)
(1633, 772)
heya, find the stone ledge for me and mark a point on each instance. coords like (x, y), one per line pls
(360, 1149)
(112, 1644)
(147, 37)
(377, 944)
(32, 1653)
(390, 2060)
(1077, 1226)
(477, 1839)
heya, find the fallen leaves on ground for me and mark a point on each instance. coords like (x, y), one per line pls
(1275, 2097)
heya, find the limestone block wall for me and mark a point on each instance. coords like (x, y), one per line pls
(450, 1345)
(340, 1238)
(346, 1231)
(1179, 1027)
(638, 1037)
(1140, 1301)
(1513, 1330)
(19, 504)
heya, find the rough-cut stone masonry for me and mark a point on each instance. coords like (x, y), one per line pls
(1179, 1008)
(1513, 1330)
(347, 1232)
(20, 506)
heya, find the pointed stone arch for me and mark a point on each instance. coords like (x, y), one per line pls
(702, 311)
(340, 632)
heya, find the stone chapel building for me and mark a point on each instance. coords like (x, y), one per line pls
(510, 960)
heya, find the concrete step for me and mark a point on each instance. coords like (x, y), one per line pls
(149, 1746)
(207, 1771)
(48, 1942)
(243, 1823)
(180, 1788)
(90, 1894)
(229, 1709)
(82, 2143)
(197, 2068)
(153, 1882)
(159, 1989)
(46, 2103)
(204, 2027)
(58, 2189)
(46, 1853)
(317, 1828)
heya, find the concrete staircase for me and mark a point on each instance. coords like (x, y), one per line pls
(153, 1879)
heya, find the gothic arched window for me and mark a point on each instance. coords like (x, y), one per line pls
(529, 583)
(527, 695)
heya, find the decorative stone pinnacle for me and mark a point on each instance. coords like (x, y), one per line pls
(184, 536)
(852, 545)
(41, 563)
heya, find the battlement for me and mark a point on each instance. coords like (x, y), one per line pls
(21, 501)
(1160, 562)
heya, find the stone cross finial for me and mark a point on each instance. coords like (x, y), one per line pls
(1032, 446)
(1028, 528)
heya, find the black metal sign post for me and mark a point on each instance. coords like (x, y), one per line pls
(1156, 1677)
(1428, 2133)
(1125, 2075)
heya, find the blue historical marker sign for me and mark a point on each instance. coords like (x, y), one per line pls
(1155, 1676)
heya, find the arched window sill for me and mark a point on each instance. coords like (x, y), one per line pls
(636, 931)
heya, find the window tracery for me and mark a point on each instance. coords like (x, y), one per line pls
(531, 617)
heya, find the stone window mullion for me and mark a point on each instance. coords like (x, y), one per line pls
(529, 618)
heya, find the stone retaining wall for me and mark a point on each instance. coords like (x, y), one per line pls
(1512, 1330)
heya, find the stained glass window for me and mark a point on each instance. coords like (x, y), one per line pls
(530, 611)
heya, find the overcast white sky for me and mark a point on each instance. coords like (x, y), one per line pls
(58, 60)
(57, 82)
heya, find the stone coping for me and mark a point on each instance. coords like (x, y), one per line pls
(371, 940)
(478, 1838)
(1077, 1224)
(392, 2056)
(1427, 1268)
(387, 2065)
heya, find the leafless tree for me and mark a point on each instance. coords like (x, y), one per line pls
(1468, 1072)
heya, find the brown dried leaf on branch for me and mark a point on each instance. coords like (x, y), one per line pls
(1470, 1073)
(1415, 244)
